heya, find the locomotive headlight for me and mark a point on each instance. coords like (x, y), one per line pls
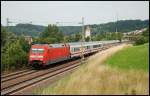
(33, 56)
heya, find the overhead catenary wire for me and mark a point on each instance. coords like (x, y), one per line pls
(13, 21)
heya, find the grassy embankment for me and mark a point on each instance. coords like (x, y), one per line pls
(131, 58)
(125, 72)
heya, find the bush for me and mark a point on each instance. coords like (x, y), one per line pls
(13, 56)
(140, 40)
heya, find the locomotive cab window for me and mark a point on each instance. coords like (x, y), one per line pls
(37, 50)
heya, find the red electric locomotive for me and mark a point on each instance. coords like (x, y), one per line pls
(44, 54)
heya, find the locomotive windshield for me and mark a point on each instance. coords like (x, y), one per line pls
(37, 50)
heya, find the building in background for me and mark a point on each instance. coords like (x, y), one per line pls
(29, 39)
(88, 32)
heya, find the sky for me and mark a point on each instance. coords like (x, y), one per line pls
(71, 12)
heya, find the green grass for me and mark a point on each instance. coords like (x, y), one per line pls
(135, 57)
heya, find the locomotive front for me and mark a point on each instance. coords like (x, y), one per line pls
(37, 55)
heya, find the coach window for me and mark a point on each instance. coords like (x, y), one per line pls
(76, 49)
(72, 49)
(87, 47)
(94, 46)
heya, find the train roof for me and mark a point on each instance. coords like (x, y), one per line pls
(109, 41)
(76, 44)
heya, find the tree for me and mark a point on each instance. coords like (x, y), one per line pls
(78, 37)
(119, 36)
(113, 36)
(24, 44)
(51, 35)
(140, 40)
(87, 39)
(3, 36)
(146, 34)
(14, 51)
(13, 56)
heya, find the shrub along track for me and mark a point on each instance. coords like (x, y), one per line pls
(15, 82)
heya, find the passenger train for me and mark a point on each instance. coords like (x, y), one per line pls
(45, 54)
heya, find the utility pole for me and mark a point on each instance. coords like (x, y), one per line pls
(116, 27)
(7, 22)
(82, 41)
(83, 38)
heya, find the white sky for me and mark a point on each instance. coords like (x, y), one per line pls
(94, 12)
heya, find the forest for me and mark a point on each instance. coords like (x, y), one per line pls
(121, 25)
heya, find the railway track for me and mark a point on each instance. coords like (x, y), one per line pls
(13, 85)
(17, 81)
(13, 76)
(14, 73)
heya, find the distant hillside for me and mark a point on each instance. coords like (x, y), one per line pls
(27, 29)
(122, 26)
(68, 30)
